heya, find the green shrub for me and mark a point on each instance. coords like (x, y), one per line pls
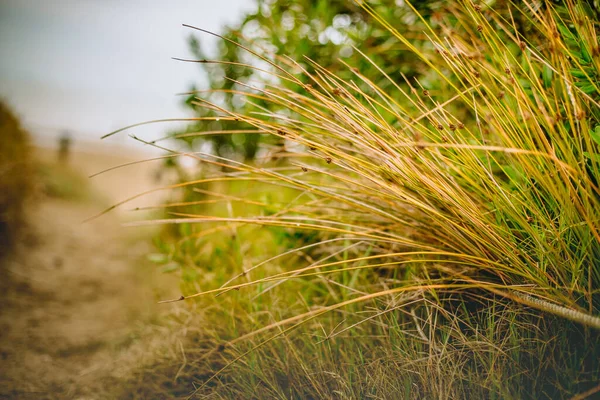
(322, 31)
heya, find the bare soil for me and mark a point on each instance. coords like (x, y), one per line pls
(78, 299)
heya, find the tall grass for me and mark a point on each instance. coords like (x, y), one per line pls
(457, 218)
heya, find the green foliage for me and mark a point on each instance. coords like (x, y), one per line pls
(443, 224)
(63, 182)
(311, 33)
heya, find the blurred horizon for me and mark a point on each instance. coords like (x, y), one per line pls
(90, 67)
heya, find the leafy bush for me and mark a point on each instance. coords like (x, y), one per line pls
(320, 31)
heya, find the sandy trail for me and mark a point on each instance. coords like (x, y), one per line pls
(77, 295)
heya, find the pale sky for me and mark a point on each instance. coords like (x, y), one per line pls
(93, 66)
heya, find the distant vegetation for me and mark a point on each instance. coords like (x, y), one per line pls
(61, 181)
(413, 210)
(16, 176)
(23, 177)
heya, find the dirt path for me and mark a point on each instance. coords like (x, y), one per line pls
(75, 299)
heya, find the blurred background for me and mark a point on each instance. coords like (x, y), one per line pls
(88, 67)
(77, 296)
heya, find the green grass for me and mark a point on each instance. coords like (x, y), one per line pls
(453, 226)
(63, 182)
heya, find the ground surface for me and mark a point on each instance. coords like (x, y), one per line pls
(78, 297)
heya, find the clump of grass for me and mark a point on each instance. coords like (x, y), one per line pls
(61, 181)
(16, 176)
(458, 221)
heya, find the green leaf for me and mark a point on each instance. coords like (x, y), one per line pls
(585, 54)
(595, 134)
(170, 267)
(588, 89)
(524, 63)
(565, 32)
(547, 76)
(157, 258)
(577, 73)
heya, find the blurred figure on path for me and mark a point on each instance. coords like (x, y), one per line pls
(64, 144)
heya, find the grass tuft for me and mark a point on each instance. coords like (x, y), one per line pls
(439, 237)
